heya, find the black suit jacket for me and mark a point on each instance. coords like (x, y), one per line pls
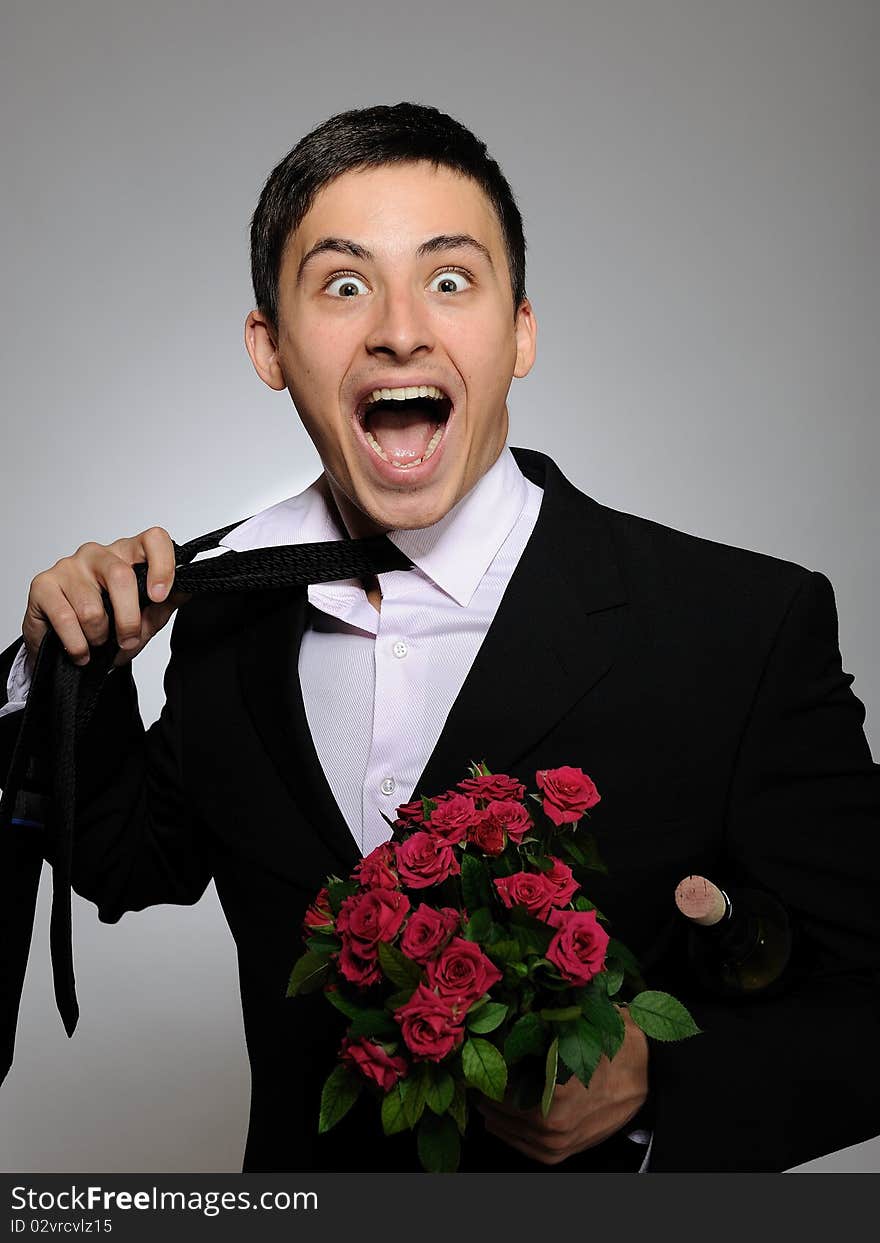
(701, 687)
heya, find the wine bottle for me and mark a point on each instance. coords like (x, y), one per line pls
(739, 942)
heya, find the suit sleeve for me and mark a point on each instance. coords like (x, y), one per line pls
(138, 841)
(772, 1083)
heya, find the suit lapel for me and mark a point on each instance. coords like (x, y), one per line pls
(268, 661)
(553, 638)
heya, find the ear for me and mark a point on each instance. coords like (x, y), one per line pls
(526, 328)
(260, 340)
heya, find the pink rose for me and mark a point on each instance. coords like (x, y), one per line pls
(424, 860)
(373, 1062)
(376, 870)
(529, 889)
(513, 817)
(431, 1026)
(496, 785)
(371, 916)
(462, 972)
(564, 885)
(578, 949)
(319, 916)
(568, 793)
(427, 931)
(488, 834)
(360, 969)
(451, 818)
(410, 813)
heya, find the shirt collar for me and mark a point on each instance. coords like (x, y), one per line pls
(454, 553)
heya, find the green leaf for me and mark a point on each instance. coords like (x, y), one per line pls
(342, 1004)
(626, 958)
(584, 904)
(574, 852)
(438, 1144)
(589, 851)
(475, 890)
(541, 863)
(414, 1089)
(605, 1018)
(440, 1090)
(528, 1035)
(394, 1001)
(662, 1016)
(613, 979)
(479, 925)
(550, 1066)
(428, 805)
(373, 1023)
(399, 969)
(393, 1115)
(340, 1092)
(560, 1015)
(580, 1048)
(526, 1084)
(458, 1108)
(503, 951)
(308, 974)
(324, 943)
(338, 891)
(506, 863)
(534, 940)
(484, 1067)
(488, 1017)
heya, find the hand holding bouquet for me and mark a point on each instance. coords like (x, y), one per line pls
(467, 959)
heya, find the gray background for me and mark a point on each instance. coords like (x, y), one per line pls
(700, 190)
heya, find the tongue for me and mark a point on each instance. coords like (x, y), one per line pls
(403, 435)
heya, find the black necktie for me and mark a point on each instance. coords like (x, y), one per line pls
(41, 785)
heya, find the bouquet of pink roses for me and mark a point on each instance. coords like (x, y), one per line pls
(466, 958)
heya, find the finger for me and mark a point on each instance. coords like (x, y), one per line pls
(524, 1124)
(153, 619)
(47, 607)
(535, 1149)
(158, 552)
(118, 578)
(508, 1108)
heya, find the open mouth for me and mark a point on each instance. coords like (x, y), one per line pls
(404, 426)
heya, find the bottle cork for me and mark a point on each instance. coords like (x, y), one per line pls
(701, 901)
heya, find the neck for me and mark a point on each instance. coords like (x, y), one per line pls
(347, 516)
(358, 524)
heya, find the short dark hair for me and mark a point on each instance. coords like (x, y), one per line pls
(368, 138)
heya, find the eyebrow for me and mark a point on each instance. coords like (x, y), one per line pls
(443, 241)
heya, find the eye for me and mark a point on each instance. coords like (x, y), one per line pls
(348, 285)
(455, 277)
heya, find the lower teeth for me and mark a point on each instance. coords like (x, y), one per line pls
(432, 445)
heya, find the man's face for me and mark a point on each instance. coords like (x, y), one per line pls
(381, 289)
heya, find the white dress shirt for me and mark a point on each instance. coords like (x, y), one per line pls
(378, 686)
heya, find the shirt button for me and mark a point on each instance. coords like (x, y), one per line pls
(388, 786)
(400, 649)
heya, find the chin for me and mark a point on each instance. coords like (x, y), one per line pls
(415, 512)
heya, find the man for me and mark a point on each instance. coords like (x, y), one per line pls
(700, 685)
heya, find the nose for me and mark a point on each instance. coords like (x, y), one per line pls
(401, 325)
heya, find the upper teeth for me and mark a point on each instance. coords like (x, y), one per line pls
(405, 394)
